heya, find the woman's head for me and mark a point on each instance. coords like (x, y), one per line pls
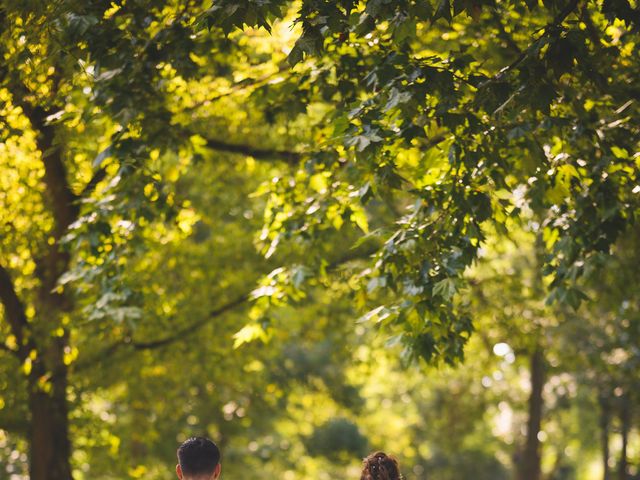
(380, 466)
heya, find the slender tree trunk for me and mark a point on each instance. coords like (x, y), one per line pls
(49, 449)
(605, 425)
(49, 436)
(50, 446)
(529, 465)
(43, 340)
(625, 421)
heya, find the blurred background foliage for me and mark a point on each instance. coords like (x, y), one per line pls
(314, 229)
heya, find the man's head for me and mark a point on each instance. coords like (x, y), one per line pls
(198, 459)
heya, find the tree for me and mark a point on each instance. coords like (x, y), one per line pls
(62, 116)
(603, 342)
(394, 107)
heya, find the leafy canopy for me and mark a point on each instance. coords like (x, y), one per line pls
(427, 125)
(458, 116)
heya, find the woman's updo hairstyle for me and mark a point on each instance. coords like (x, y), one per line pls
(380, 466)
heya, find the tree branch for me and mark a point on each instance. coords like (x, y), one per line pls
(244, 298)
(502, 32)
(153, 344)
(287, 156)
(63, 201)
(238, 87)
(14, 312)
(564, 13)
(64, 207)
(193, 327)
(217, 312)
(591, 28)
(90, 187)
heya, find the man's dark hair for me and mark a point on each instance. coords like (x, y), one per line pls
(198, 456)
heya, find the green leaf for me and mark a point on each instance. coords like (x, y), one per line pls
(359, 217)
(445, 288)
(443, 11)
(295, 55)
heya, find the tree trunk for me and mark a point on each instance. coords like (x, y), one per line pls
(529, 465)
(625, 421)
(605, 424)
(50, 447)
(40, 341)
(49, 436)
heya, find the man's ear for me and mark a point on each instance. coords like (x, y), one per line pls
(179, 471)
(216, 472)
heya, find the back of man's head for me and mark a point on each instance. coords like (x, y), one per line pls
(198, 457)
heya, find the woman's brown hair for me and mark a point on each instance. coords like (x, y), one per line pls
(380, 466)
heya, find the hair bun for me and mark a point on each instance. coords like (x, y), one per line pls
(380, 466)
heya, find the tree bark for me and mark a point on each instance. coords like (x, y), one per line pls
(49, 434)
(49, 447)
(49, 444)
(605, 424)
(529, 465)
(625, 421)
